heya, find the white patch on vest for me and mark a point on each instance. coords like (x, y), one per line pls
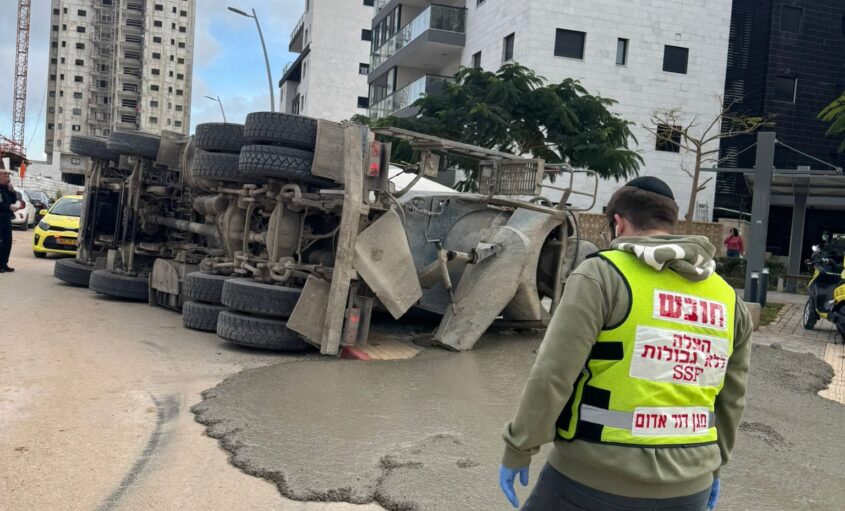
(679, 357)
(689, 310)
(670, 422)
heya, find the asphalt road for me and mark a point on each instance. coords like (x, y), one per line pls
(95, 399)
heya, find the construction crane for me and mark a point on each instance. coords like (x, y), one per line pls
(14, 147)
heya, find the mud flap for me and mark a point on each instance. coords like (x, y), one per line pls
(485, 289)
(383, 260)
(165, 283)
(309, 315)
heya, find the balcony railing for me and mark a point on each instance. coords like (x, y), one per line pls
(379, 5)
(297, 27)
(406, 96)
(434, 17)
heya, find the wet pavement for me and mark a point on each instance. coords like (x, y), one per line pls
(425, 433)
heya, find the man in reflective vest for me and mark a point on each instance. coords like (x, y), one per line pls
(641, 378)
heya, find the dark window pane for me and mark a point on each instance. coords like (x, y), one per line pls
(668, 138)
(790, 19)
(363, 102)
(476, 61)
(569, 43)
(785, 89)
(366, 35)
(621, 52)
(675, 59)
(369, 3)
(507, 50)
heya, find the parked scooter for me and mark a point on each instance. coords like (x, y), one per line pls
(826, 289)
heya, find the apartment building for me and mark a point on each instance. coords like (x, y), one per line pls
(786, 61)
(328, 79)
(646, 55)
(117, 65)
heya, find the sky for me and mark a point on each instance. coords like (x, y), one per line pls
(228, 62)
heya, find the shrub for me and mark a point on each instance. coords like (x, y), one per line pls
(732, 269)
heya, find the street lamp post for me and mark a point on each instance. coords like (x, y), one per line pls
(266, 58)
(217, 99)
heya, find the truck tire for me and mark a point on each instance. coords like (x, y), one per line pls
(219, 167)
(204, 287)
(278, 128)
(119, 286)
(201, 316)
(142, 145)
(255, 332)
(279, 163)
(92, 147)
(247, 295)
(219, 137)
(73, 272)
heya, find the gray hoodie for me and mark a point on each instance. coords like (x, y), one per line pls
(596, 296)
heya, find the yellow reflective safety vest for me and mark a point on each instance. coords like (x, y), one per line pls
(652, 380)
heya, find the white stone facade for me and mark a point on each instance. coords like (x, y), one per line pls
(640, 86)
(328, 80)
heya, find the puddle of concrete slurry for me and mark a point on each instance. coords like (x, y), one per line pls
(423, 433)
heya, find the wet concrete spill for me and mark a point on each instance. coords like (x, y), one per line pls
(167, 408)
(424, 434)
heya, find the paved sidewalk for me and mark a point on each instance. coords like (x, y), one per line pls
(787, 331)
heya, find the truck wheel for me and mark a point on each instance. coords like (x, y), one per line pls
(219, 137)
(811, 317)
(268, 334)
(204, 287)
(130, 143)
(72, 272)
(119, 286)
(92, 147)
(280, 163)
(247, 295)
(219, 167)
(279, 128)
(201, 316)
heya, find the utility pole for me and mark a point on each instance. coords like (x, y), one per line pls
(763, 170)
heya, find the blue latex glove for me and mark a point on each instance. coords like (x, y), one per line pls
(714, 495)
(506, 478)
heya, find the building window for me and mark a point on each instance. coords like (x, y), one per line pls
(785, 89)
(507, 48)
(157, 39)
(153, 120)
(178, 124)
(476, 61)
(159, 7)
(156, 55)
(369, 3)
(181, 45)
(668, 138)
(155, 71)
(77, 111)
(791, 19)
(77, 79)
(154, 87)
(304, 69)
(156, 23)
(179, 92)
(366, 35)
(363, 69)
(675, 59)
(77, 95)
(180, 60)
(81, 30)
(79, 62)
(80, 46)
(569, 44)
(153, 104)
(179, 108)
(363, 102)
(81, 12)
(76, 127)
(75, 161)
(621, 52)
(183, 29)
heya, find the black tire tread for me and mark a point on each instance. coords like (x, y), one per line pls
(220, 167)
(279, 163)
(813, 316)
(204, 287)
(279, 128)
(143, 145)
(255, 332)
(201, 316)
(250, 296)
(219, 137)
(73, 272)
(92, 147)
(119, 286)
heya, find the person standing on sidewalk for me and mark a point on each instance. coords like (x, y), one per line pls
(8, 206)
(734, 244)
(641, 378)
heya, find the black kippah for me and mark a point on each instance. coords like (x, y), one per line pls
(652, 184)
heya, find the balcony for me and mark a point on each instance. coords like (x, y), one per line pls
(297, 39)
(443, 26)
(399, 103)
(379, 5)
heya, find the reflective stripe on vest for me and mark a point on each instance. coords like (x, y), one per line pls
(653, 380)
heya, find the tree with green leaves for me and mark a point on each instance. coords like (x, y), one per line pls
(514, 111)
(834, 114)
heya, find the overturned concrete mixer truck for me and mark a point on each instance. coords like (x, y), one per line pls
(287, 233)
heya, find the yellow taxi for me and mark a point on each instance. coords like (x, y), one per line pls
(58, 229)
